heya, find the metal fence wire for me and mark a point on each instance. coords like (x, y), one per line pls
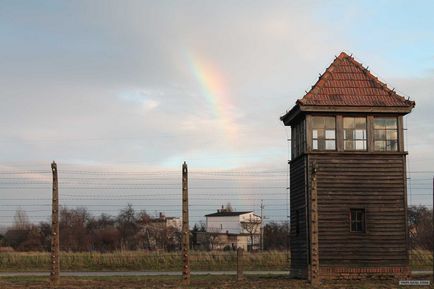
(132, 220)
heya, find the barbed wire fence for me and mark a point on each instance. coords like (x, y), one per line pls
(420, 191)
(88, 198)
(102, 195)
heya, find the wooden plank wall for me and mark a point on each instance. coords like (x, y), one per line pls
(298, 242)
(375, 182)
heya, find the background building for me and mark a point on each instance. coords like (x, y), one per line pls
(232, 230)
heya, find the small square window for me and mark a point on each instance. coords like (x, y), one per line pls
(357, 220)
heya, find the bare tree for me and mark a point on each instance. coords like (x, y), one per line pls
(128, 228)
(213, 238)
(420, 227)
(21, 220)
(276, 235)
(73, 226)
(252, 227)
(228, 207)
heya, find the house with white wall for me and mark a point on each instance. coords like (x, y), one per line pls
(233, 230)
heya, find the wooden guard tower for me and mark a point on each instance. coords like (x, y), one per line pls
(348, 177)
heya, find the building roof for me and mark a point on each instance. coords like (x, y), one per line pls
(346, 83)
(227, 214)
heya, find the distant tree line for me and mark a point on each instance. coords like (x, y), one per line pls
(80, 231)
(420, 226)
(137, 230)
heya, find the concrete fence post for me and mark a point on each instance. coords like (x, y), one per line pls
(240, 263)
(55, 265)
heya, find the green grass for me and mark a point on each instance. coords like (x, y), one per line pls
(421, 260)
(155, 261)
(137, 260)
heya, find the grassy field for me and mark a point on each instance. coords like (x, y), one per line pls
(196, 282)
(154, 261)
(142, 261)
(421, 260)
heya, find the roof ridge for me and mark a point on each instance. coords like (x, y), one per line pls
(328, 72)
(383, 85)
(323, 78)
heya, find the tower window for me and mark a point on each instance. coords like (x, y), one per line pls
(357, 220)
(355, 133)
(386, 134)
(323, 133)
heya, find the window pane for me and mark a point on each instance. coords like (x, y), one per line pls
(379, 123)
(318, 122)
(314, 133)
(359, 134)
(329, 122)
(380, 134)
(330, 134)
(348, 145)
(321, 144)
(360, 145)
(315, 144)
(360, 123)
(390, 123)
(330, 144)
(392, 145)
(391, 134)
(348, 122)
(380, 145)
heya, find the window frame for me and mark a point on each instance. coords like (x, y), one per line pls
(363, 220)
(397, 130)
(366, 140)
(312, 139)
(339, 141)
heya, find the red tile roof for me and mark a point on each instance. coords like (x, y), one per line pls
(347, 83)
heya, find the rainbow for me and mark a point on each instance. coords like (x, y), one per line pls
(214, 90)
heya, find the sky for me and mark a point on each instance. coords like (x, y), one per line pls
(146, 85)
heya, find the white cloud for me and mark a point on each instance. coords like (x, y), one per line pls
(145, 98)
(150, 104)
(120, 88)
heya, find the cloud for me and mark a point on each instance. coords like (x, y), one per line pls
(143, 98)
(111, 85)
(100, 82)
